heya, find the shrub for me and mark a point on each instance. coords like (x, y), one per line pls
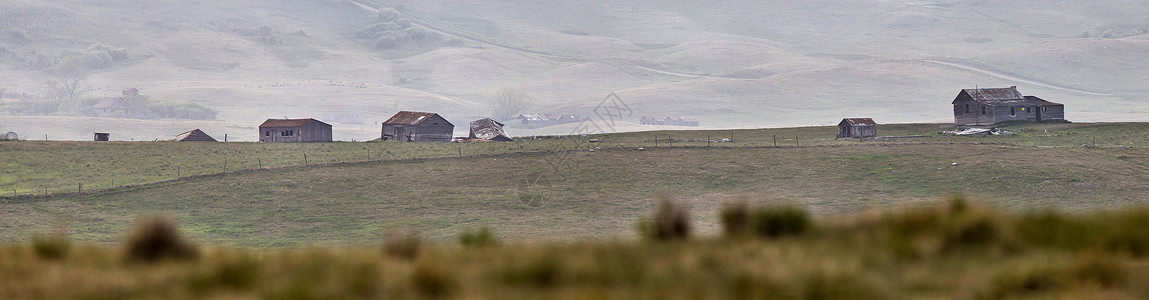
(543, 271)
(736, 217)
(432, 280)
(781, 221)
(51, 246)
(403, 244)
(671, 220)
(481, 237)
(155, 238)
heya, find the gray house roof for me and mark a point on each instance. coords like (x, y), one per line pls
(1004, 97)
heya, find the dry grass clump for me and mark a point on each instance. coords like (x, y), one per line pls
(739, 219)
(481, 237)
(155, 238)
(54, 246)
(402, 244)
(671, 220)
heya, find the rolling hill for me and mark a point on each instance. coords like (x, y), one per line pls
(734, 64)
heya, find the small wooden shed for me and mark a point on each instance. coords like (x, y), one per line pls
(195, 135)
(102, 136)
(857, 128)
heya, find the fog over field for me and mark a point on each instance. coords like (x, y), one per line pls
(225, 66)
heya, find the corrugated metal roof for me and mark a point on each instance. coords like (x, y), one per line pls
(195, 135)
(488, 129)
(409, 118)
(859, 122)
(108, 102)
(1006, 97)
(285, 122)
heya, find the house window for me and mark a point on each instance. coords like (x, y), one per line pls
(983, 110)
(1012, 113)
(967, 108)
(287, 133)
(267, 133)
(1044, 108)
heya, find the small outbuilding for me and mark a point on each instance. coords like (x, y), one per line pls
(101, 136)
(414, 126)
(857, 128)
(195, 135)
(488, 129)
(294, 130)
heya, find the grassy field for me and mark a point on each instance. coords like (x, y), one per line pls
(531, 195)
(950, 250)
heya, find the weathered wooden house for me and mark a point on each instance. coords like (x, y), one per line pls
(857, 128)
(294, 130)
(101, 136)
(108, 106)
(413, 126)
(991, 106)
(195, 135)
(488, 129)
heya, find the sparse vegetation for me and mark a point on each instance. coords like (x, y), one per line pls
(508, 102)
(848, 258)
(158, 238)
(479, 237)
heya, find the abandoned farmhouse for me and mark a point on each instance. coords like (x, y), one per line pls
(997, 105)
(294, 130)
(413, 126)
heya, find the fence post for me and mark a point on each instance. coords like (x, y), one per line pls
(460, 151)
(45, 191)
(656, 141)
(113, 182)
(305, 158)
(177, 172)
(80, 189)
(775, 140)
(796, 142)
(707, 140)
(260, 162)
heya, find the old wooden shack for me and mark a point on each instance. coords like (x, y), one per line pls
(488, 129)
(294, 130)
(101, 136)
(413, 126)
(857, 128)
(195, 135)
(989, 106)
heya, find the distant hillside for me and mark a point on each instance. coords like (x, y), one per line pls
(730, 64)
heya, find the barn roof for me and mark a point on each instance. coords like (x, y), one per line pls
(108, 102)
(858, 122)
(488, 129)
(195, 135)
(286, 122)
(1005, 96)
(409, 118)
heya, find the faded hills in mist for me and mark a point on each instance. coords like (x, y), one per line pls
(730, 64)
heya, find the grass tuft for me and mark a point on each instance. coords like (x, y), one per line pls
(671, 220)
(54, 246)
(781, 221)
(481, 237)
(156, 238)
(735, 217)
(402, 244)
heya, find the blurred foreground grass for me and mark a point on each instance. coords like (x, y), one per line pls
(944, 250)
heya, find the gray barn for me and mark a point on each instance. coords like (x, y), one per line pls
(413, 126)
(857, 128)
(997, 105)
(294, 130)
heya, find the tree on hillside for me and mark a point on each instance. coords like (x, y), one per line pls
(67, 79)
(508, 102)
